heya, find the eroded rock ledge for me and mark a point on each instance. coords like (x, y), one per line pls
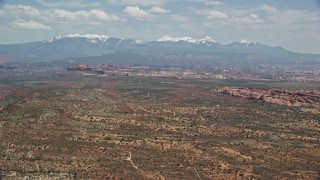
(297, 98)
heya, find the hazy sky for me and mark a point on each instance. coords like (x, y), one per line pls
(292, 24)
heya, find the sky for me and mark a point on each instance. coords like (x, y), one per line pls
(292, 24)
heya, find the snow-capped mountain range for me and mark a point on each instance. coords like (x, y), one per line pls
(76, 45)
(95, 38)
(91, 37)
(207, 40)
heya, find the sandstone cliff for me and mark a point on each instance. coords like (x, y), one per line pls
(282, 97)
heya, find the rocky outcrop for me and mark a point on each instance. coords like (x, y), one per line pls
(282, 97)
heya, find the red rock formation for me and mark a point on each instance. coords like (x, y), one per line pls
(282, 97)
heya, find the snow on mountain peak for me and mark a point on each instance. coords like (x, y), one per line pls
(60, 36)
(247, 43)
(94, 38)
(139, 41)
(205, 40)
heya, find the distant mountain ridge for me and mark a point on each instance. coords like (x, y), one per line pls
(204, 41)
(77, 46)
(93, 38)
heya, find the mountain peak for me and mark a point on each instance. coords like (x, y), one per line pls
(206, 40)
(94, 38)
(139, 41)
(55, 38)
(88, 36)
(247, 43)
